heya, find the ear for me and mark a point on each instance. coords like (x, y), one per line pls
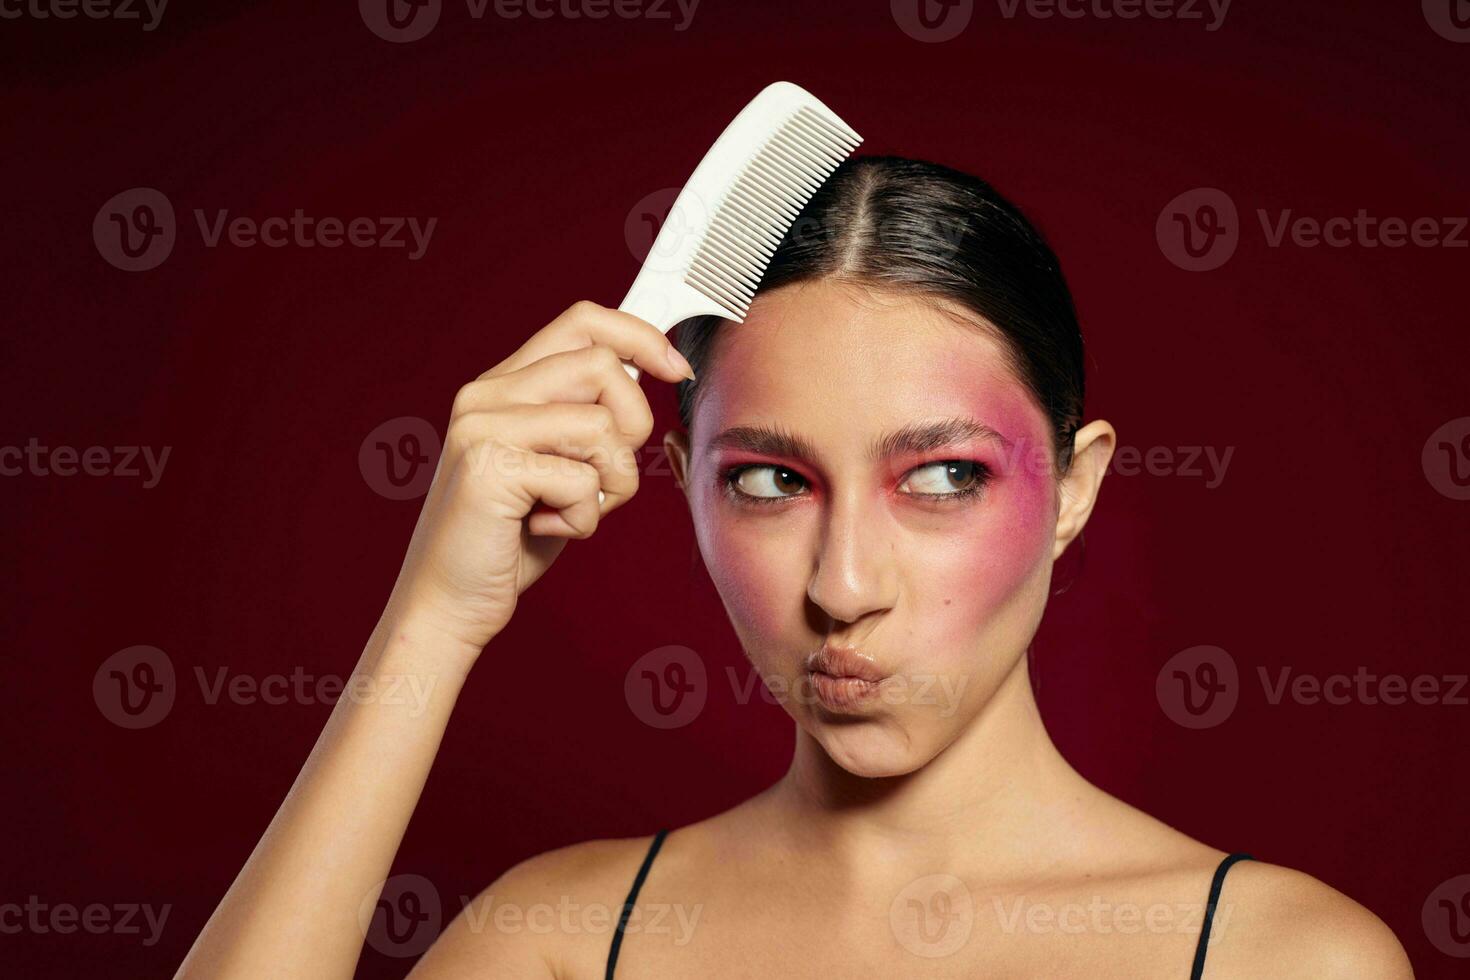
(676, 447)
(1092, 450)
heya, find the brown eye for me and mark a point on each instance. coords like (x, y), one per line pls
(948, 478)
(768, 482)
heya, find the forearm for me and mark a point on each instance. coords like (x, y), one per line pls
(293, 909)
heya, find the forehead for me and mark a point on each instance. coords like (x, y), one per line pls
(827, 358)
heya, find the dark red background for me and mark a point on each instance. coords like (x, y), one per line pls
(264, 550)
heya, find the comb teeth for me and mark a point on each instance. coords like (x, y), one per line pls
(763, 202)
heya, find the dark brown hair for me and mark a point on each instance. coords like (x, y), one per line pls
(902, 224)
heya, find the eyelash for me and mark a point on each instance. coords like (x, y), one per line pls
(728, 477)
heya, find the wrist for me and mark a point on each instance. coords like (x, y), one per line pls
(414, 637)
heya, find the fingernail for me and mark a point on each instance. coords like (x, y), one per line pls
(677, 362)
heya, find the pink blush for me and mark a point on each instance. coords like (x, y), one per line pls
(982, 565)
(750, 562)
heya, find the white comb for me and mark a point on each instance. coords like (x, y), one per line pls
(739, 203)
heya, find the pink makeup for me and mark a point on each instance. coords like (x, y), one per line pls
(906, 503)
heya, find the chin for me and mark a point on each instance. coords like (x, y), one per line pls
(870, 748)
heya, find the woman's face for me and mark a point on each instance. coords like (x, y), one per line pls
(867, 473)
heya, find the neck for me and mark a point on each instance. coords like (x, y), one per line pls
(1001, 791)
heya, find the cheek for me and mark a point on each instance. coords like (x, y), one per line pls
(752, 568)
(982, 579)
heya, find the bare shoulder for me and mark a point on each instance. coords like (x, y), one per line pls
(1270, 920)
(552, 915)
(1283, 923)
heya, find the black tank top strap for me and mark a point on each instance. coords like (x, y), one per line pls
(1204, 933)
(617, 940)
(1195, 973)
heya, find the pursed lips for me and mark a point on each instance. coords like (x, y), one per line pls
(843, 677)
(845, 662)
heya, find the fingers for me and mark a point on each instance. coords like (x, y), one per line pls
(586, 324)
(566, 486)
(591, 375)
(555, 425)
(506, 442)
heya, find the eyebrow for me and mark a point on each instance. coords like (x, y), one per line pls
(917, 438)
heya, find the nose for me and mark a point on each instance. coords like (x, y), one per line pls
(855, 573)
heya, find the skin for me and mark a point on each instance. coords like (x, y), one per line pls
(944, 795)
(947, 592)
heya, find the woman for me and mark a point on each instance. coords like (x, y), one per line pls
(882, 465)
